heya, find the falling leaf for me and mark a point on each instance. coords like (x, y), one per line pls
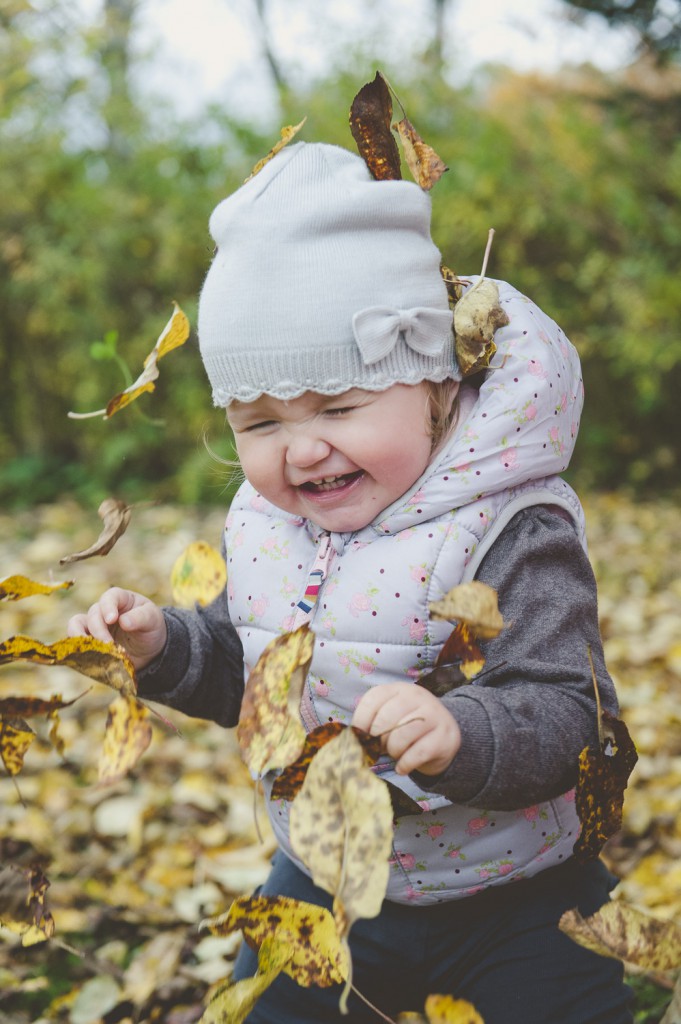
(198, 576)
(15, 739)
(477, 316)
(447, 1010)
(626, 933)
(599, 795)
(174, 334)
(22, 903)
(16, 588)
(108, 663)
(318, 956)
(342, 827)
(287, 133)
(28, 707)
(473, 603)
(370, 116)
(115, 515)
(453, 284)
(287, 785)
(126, 737)
(422, 160)
(270, 732)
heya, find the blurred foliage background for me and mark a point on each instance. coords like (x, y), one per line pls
(106, 197)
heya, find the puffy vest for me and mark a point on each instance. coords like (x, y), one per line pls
(369, 605)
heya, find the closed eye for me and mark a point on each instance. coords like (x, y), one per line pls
(261, 425)
(340, 411)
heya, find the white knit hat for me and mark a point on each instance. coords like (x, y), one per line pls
(324, 280)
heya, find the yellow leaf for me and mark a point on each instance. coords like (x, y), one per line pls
(153, 966)
(425, 165)
(15, 739)
(233, 1004)
(198, 575)
(342, 829)
(477, 316)
(270, 732)
(287, 133)
(126, 737)
(625, 933)
(15, 588)
(116, 516)
(174, 334)
(447, 1010)
(317, 955)
(106, 662)
(474, 604)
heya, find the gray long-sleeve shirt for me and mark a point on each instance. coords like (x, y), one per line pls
(523, 724)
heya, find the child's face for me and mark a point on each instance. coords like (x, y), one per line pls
(339, 460)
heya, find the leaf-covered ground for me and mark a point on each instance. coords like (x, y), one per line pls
(135, 867)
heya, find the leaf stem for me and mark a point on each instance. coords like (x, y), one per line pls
(371, 1006)
(488, 249)
(601, 737)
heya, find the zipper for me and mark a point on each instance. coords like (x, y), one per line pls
(304, 612)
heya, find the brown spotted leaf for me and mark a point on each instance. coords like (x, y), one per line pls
(23, 906)
(370, 117)
(15, 739)
(116, 516)
(270, 733)
(477, 316)
(126, 737)
(425, 165)
(16, 588)
(287, 785)
(342, 827)
(453, 284)
(174, 334)
(446, 677)
(28, 707)
(473, 603)
(626, 933)
(288, 132)
(599, 796)
(105, 662)
(318, 956)
(198, 575)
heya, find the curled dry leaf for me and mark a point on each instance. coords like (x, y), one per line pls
(474, 604)
(599, 795)
(116, 516)
(15, 739)
(28, 707)
(370, 117)
(105, 662)
(198, 575)
(477, 316)
(343, 802)
(127, 735)
(453, 284)
(626, 933)
(16, 588)
(23, 907)
(174, 334)
(287, 133)
(270, 733)
(425, 165)
(318, 957)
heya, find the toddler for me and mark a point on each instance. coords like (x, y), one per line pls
(375, 482)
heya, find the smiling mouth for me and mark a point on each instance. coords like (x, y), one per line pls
(330, 483)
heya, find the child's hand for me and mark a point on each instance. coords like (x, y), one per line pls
(428, 743)
(131, 620)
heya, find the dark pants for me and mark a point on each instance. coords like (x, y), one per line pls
(501, 950)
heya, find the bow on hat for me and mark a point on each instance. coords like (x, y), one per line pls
(377, 329)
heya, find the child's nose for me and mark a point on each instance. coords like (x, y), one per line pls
(306, 450)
